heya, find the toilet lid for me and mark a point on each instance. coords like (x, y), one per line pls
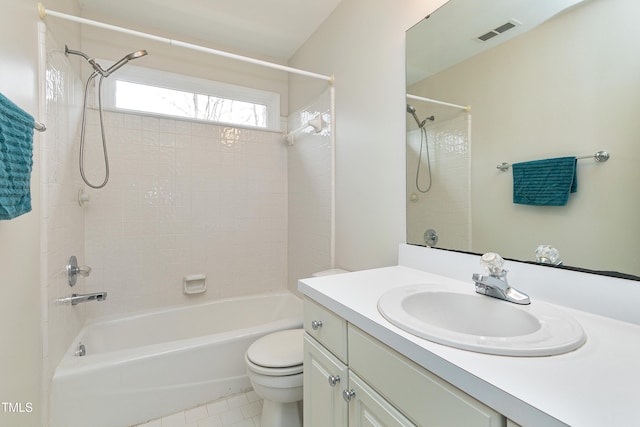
(278, 350)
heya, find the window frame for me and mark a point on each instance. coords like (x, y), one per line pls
(168, 80)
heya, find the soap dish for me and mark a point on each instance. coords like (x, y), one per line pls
(194, 284)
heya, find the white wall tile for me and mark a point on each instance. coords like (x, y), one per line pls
(309, 195)
(62, 234)
(214, 203)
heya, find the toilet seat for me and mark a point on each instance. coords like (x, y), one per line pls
(277, 354)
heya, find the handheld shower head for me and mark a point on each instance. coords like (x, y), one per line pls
(120, 63)
(97, 68)
(137, 54)
(97, 71)
(411, 110)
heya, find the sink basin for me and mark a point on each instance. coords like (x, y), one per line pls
(474, 322)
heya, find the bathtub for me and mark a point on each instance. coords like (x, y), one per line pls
(155, 363)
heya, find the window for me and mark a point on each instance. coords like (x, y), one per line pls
(158, 92)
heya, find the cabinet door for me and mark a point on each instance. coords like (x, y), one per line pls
(368, 409)
(325, 377)
(422, 396)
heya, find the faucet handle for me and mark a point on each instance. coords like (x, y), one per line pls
(73, 270)
(493, 263)
(83, 270)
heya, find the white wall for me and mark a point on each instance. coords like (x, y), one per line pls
(20, 342)
(362, 44)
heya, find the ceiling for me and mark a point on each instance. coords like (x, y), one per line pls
(275, 28)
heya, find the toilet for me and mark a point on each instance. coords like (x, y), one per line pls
(274, 367)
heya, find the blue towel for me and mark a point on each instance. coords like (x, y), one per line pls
(16, 159)
(544, 182)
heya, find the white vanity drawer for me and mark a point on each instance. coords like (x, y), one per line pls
(423, 397)
(326, 327)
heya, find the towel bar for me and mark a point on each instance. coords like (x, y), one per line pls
(600, 156)
(40, 127)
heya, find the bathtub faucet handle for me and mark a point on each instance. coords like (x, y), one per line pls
(83, 270)
(73, 270)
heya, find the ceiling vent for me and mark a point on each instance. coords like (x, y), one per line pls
(499, 30)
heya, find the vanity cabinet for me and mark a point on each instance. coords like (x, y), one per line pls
(382, 387)
(325, 367)
(328, 384)
(325, 377)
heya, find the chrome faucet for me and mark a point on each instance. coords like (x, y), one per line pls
(76, 299)
(495, 283)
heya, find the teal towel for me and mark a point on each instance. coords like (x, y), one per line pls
(16, 159)
(544, 182)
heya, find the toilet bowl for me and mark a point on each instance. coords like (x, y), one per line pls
(274, 367)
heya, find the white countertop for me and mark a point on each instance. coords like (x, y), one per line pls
(595, 385)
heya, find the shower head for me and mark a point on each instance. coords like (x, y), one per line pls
(411, 110)
(137, 54)
(98, 69)
(117, 65)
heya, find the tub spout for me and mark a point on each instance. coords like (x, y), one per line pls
(76, 299)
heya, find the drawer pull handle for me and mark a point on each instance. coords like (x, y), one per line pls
(333, 380)
(347, 395)
(316, 324)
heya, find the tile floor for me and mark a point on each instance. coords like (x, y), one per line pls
(239, 410)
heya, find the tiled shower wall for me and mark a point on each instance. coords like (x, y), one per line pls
(184, 198)
(310, 193)
(62, 221)
(446, 207)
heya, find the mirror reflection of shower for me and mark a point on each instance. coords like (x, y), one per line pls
(424, 142)
(102, 73)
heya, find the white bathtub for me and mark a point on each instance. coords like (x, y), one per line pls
(156, 363)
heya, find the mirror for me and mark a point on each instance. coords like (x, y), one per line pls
(551, 79)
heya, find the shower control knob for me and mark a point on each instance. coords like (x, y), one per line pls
(316, 324)
(333, 380)
(73, 270)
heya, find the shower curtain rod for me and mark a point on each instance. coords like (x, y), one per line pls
(466, 108)
(44, 12)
